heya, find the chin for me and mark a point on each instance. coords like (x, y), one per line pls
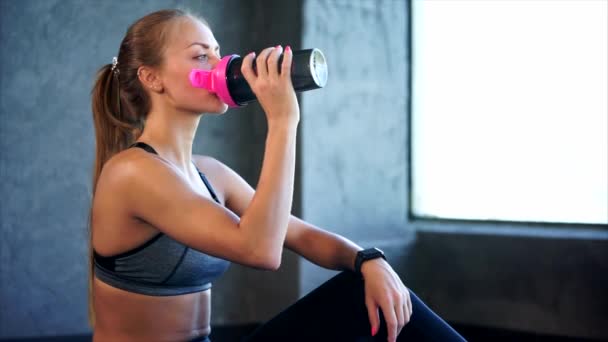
(217, 106)
(213, 108)
(219, 110)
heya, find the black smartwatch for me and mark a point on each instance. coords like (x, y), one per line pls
(367, 254)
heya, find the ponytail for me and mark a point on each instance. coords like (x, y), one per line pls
(114, 130)
(113, 133)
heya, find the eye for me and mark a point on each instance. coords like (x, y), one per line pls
(202, 58)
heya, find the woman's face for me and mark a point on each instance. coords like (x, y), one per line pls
(190, 45)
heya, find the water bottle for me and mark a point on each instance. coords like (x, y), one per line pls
(308, 71)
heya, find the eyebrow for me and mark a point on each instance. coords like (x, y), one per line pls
(206, 46)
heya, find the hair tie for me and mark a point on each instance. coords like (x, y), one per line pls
(115, 65)
(116, 72)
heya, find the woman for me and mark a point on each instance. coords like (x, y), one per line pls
(161, 233)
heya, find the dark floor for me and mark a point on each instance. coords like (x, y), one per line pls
(233, 333)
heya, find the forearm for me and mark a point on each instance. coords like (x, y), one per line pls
(329, 250)
(267, 216)
(336, 252)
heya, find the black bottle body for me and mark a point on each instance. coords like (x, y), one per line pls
(308, 71)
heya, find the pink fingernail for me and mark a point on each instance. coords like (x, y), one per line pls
(288, 48)
(374, 331)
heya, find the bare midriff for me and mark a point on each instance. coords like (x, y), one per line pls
(126, 316)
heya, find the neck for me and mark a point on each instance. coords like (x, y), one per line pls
(171, 133)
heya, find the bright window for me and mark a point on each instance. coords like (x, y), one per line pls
(510, 110)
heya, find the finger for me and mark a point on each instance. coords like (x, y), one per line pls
(246, 68)
(409, 301)
(260, 62)
(400, 316)
(406, 314)
(391, 321)
(273, 62)
(406, 311)
(286, 65)
(372, 313)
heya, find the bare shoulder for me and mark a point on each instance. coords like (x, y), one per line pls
(116, 170)
(123, 170)
(119, 182)
(126, 163)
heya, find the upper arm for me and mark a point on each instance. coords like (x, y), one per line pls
(161, 196)
(238, 195)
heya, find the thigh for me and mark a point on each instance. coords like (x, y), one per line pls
(334, 311)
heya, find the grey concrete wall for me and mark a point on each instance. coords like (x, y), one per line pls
(354, 130)
(50, 53)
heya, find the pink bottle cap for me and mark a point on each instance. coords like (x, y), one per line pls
(214, 80)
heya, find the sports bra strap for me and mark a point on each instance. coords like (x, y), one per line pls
(208, 185)
(144, 146)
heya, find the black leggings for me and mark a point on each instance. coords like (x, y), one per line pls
(336, 311)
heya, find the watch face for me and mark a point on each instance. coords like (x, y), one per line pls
(371, 252)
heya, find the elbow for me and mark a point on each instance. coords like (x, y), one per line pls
(269, 261)
(262, 253)
(272, 265)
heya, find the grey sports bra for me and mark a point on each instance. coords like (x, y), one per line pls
(161, 266)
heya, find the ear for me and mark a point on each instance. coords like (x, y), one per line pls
(149, 79)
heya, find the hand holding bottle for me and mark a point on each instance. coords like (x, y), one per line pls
(272, 85)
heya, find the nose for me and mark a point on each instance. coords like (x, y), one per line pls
(214, 58)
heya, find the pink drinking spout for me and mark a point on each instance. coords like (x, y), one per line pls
(214, 80)
(200, 78)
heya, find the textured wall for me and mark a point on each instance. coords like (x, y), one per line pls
(354, 130)
(50, 53)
